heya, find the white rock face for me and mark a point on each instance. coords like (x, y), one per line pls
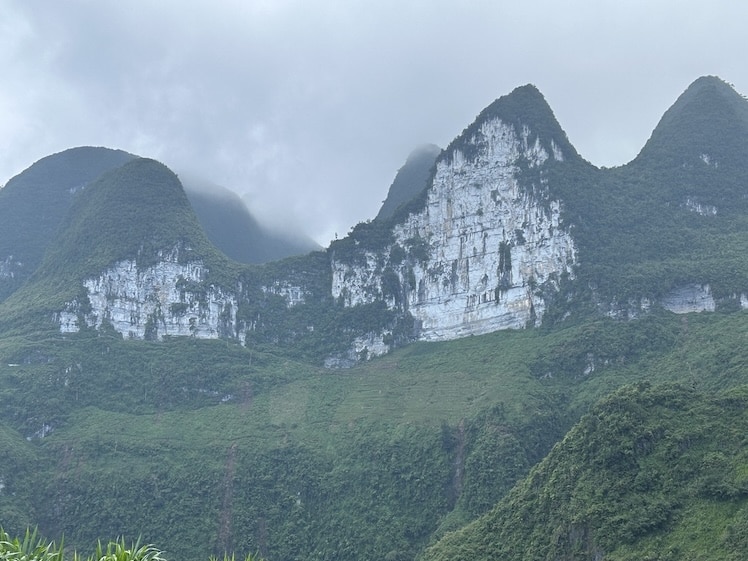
(8, 267)
(687, 299)
(363, 348)
(700, 208)
(165, 299)
(486, 244)
(294, 295)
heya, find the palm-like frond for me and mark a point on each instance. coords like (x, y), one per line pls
(31, 548)
(118, 551)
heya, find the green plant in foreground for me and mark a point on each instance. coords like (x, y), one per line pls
(31, 548)
(227, 557)
(34, 548)
(118, 551)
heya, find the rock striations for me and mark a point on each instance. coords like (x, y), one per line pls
(475, 255)
(164, 299)
(487, 241)
(508, 218)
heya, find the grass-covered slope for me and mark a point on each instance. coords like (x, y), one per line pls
(34, 203)
(652, 472)
(190, 441)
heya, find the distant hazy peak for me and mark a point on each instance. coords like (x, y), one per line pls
(232, 227)
(411, 179)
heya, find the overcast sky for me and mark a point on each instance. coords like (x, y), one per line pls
(309, 107)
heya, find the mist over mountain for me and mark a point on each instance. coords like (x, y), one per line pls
(410, 180)
(521, 356)
(234, 230)
(34, 203)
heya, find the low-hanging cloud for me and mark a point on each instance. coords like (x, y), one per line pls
(308, 108)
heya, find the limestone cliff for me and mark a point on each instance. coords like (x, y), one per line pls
(475, 254)
(168, 298)
(485, 244)
(510, 212)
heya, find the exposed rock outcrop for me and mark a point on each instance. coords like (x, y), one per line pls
(507, 214)
(166, 299)
(474, 258)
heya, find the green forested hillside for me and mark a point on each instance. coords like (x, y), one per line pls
(651, 472)
(675, 215)
(132, 212)
(135, 211)
(34, 203)
(187, 439)
(586, 438)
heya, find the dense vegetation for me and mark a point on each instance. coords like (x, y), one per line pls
(187, 439)
(45, 192)
(33, 547)
(650, 473)
(676, 215)
(451, 450)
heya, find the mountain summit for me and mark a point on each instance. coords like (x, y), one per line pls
(34, 203)
(707, 125)
(246, 443)
(475, 251)
(528, 113)
(136, 211)
(411, 179)
(509, 215)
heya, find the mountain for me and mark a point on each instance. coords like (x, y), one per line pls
(132, 212)
(648, 473)
(233, 229)
(706, 127)
(513, 229)
(485, 244)
(151, 386)
(410, 180)
(665, 228)
(33, 204)
(152, 270)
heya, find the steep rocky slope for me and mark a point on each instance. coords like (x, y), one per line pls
(478, 250)
(512, 229)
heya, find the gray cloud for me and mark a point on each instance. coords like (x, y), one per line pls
(308, 108)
